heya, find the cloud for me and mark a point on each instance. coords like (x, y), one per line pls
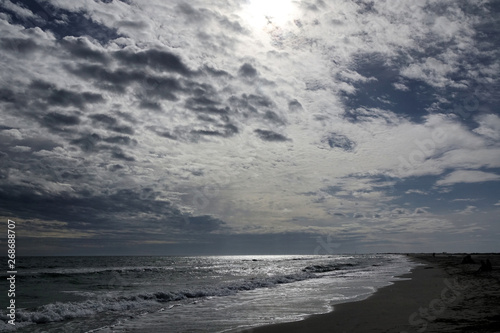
(55, 120)
(467, 176)
(129, 122)
(271, 136)
(421, 210)
(465, 199)
(489, 126)
(19, 45)
(19, 11)
(411, 191)
(160, 60)
(83, 49)
(93, 212)
(432, 71)
(339, 141)
(468, 210)
(247, 71)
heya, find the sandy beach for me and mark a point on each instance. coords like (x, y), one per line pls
(443, 295)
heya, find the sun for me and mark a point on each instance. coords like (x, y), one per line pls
(263, 12)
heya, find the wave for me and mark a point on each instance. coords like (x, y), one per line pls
(327, 268)
(66, 311)
(87, 271)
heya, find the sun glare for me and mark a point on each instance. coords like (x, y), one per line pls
(263, 12)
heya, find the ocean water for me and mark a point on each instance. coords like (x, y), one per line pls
(189, 294)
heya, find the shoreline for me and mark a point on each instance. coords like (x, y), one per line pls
(436, 297)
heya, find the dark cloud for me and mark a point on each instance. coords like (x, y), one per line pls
(56, 120)
(124, 129)
(192, 14)
(155, 106)
(87, 142)
(81, 49)
(197, 172)
(231, 129)
(38, 143)
(204, 223)
(119, 80)
(399, 211)
(273, 117)
(270, 136)
(216, 72)
(93, 143)
(258, 100)
(126, 116)
(69, 175)
(227, 130)
(102, 212)
(103, 118)
(60, 22)
(62, 97)
(116, 81)
(4, 174)
(115, 167)
(294, 106)
(206, 105)
(241, 104)
(121, 140)
(110, 123)
(158, 60)
(232, 25)
(308, 193)
(20, 46)
(132, 24)
(208, 133)
(247, 71)
(339, 141)
(250, 105)
(365, 6)
(166, 134)
(332, 190)
(120, 155)
(7, 96)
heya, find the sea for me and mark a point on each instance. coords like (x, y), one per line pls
(189, 294)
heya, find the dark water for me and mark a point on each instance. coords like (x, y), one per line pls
(202, 294)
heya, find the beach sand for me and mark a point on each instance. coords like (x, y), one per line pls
(441, 296)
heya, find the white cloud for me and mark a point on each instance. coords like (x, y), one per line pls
(433, 71)
(18, 10)
(401, 86)
(20, 149)
(416, 191)
(467, 176)
(421, 210)
(468, 210)
(466, 199)
(489, 126)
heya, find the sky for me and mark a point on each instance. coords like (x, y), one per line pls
(250, 127)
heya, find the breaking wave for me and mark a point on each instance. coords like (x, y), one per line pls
(65, 311)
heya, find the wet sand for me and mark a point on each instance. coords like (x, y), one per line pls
(441, 296)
